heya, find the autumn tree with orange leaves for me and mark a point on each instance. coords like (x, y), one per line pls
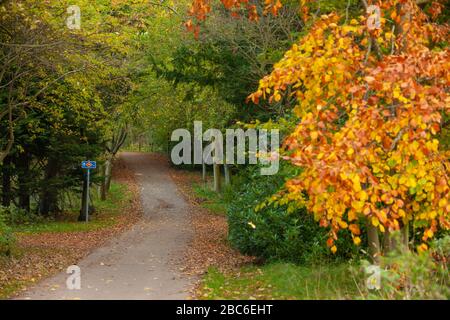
(372, 103)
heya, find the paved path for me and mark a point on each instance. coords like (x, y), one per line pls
(139, 264)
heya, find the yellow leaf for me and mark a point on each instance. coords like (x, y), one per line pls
(412, 182)
(423, 247)
(350, 151)
(363, 195)
(356, 183)
(358, 205)
(343, 224)
(375, 221)
(402, 180)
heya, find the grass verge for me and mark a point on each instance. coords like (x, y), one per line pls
(280, 281)
(209, 199)
(106, 213)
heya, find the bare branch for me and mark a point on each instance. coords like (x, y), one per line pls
(161, 4)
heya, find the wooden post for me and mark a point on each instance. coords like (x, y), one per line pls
(217, 182)
(227, 174)
(204, 172)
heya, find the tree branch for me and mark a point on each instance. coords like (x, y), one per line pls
(161, 4)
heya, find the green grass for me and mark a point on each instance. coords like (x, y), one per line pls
(209, 199)
(105, 215)
(135, 148)
(275, 280)
(281, 281)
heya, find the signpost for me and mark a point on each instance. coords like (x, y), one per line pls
(88, 165)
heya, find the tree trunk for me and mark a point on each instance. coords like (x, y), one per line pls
(6, 182)
(204, 172)
(23, 165)
(217, 184)
(227, 174)
(49, 197)
(374, 242)
(117, 141)
(102, 192)
(106, 184)
(108, 176)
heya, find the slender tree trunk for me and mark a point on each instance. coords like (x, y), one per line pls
(108, 175)
(204, 172)
(23, 165)
(6, 182)
(227, 174)
(116, 143)
(4, 153)
(374, 242)
(106, 184)
(49, 197)
(217, 182)
(203, 167)
(103, 193)
(82, 216)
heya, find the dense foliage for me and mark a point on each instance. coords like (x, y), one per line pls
(63, 94)
(274, 232)
(385, 156)
(371, 97)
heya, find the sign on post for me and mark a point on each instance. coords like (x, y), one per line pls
(88, 165)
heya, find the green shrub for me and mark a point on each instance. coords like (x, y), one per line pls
(440, 248)
(407, 275)
(17, 216)
(6, 236)
(272, 233)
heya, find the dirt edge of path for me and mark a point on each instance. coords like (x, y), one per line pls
(209, 246)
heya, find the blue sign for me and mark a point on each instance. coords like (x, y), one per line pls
(89, 164)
